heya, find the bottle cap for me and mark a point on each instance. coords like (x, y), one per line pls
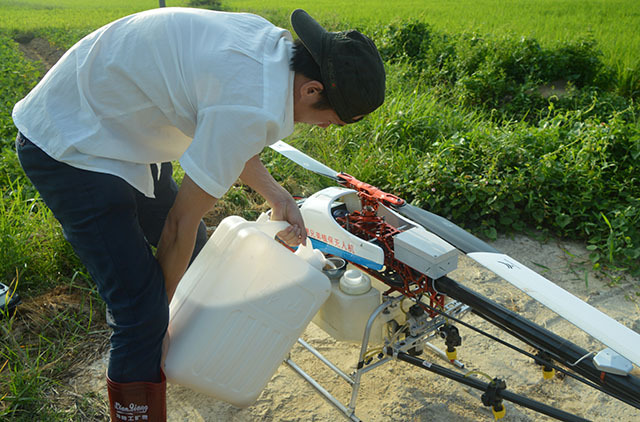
(355, 282)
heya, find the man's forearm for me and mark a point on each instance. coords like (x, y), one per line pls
(178, 236)
(258, 178)
(283, 206)
(174, 252)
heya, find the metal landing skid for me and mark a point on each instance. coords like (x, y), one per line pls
(417, 333)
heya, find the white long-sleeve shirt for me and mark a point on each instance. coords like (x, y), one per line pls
(211, 89)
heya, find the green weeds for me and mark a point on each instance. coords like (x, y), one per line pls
(44, 342)
(18, 77)
(31, 241)
(61, 320)
(516, 78)
(206, 4)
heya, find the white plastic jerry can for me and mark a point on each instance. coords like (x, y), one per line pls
(239, 309)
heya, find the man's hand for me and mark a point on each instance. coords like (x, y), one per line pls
(256, 176)
(288, 211)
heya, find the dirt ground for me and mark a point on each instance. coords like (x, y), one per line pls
(397, 391)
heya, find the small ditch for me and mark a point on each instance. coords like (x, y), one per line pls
(38, 49)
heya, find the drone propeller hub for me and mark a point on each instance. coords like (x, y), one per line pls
(611, 362)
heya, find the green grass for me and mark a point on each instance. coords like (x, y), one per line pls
(463, 133)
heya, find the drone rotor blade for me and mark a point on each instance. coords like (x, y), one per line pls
(445, 229)
(303, 159)
(618, 337)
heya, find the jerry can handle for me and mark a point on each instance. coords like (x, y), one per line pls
(306, 252)
(270, 227)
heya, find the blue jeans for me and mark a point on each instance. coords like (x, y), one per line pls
(111, 226)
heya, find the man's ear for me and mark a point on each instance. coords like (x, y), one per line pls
(311, 90)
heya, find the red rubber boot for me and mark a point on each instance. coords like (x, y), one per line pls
(138, 401)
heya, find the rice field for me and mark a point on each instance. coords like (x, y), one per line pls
(614, 24)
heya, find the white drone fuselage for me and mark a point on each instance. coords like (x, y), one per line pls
(413, 246)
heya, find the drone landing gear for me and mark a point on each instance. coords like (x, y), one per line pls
(404, 349)
(417, 331)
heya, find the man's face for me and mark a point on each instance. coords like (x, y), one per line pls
(321, 117)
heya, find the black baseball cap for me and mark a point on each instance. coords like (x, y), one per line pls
(351, 67)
